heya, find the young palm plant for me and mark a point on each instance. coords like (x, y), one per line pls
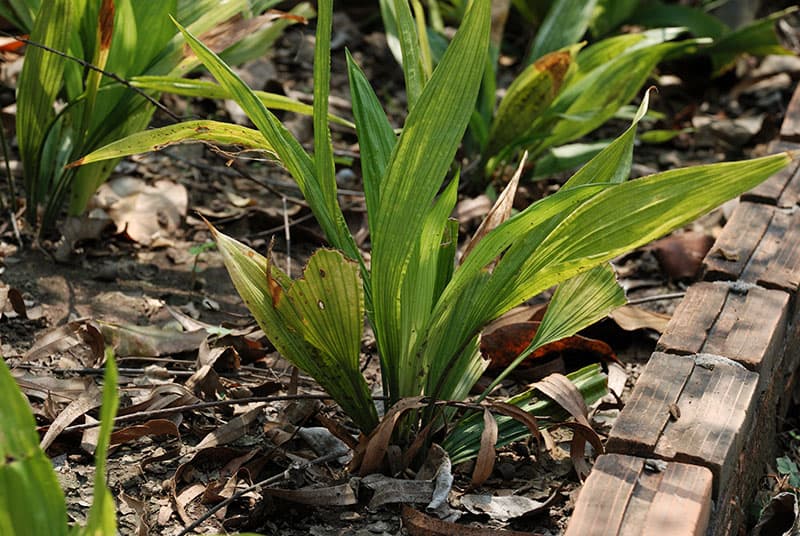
(426, 311)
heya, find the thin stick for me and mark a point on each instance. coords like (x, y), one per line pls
(287, 234)
(658, 297)
(87, 65)
(203, 405)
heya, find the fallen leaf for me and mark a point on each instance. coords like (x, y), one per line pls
(153, 427)
(146, 214)
(779, 517)
(681, 255)
(484, 463)
(378, 441)
(230, 431)
(150, 341)
(582, 434)
(341, 495)
(503, 508)
(388, 490)
(139, 508)
(505, 343)
(80, 336)
(632, 318)
(419, 524)
(89, 400)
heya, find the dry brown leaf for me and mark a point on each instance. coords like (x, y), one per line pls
(160, 397)
(388, 490)
(232, 430)
(90, 399)
(484, 463)
(564, 393)
(342, 495)
(515, 412)
(61, 390)
(139, 508)
(378, 441)
(419, 524)
(582, 434)
(147, 214)
(153, 427)
(681, 255)
(79, 335)
(501, 210)
(504, 508)
(150, 341)
(632, 318)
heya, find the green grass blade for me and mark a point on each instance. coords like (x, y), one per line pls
(376, 138)
(31, 500)
(323, 150)
(102, 518)
(190, 87)
(289, 151)
(565, 24)
(39, 83)
(214, 132)
(409, 45)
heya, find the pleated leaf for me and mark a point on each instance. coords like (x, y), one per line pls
(290, 316)
(418, 165)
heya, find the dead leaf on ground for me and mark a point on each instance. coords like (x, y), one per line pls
(505, 343)
(150, 341)
(779, 517)
(62, 390)
(89, 400)
(378, 441)
(341, 495)
(139, 509)
(632, 318)
(484, 463)
(147, 214)
(504, 508)
(160, 397)
(153, 427)
(81, 338)
(11, 303)
(681, 255)
(232, 430)
(419, 524)
(582, 434)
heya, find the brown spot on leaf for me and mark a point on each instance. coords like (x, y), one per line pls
(557, 64)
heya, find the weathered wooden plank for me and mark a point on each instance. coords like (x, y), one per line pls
(783, 188)
(694, 317)
(776, 260)
(751, 328)
(623, 497)
(731, 252)
(790, 129)
(601, 505)
(716, 406)
(688, 409)
(642, 420)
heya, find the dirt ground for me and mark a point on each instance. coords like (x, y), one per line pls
(167, 304)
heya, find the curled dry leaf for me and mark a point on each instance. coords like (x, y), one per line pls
(419, 524)
(378, 441)
(341, 495)
(505, 507)
(160, 397)
(139, 509)
(150, 341)
(80, 336)
(505, 343)
(632, 318)
(563, 392)
(582, 434)
(388, 490)
(484, 463)
(146, 214)
(11, 303)
(681, 255)
(153, 427)
(90, 399)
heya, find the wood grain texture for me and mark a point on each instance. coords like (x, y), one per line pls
(641, 422)
(715, 399)
(751, 328)
(738, 241)
(776, 261)
(694, 317)
(623, 496)
(716, 407)
(783, 188)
